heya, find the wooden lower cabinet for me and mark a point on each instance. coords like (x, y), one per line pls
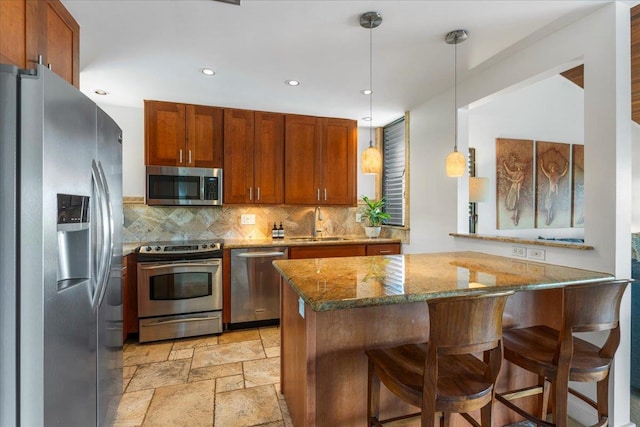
(129, 295)
(330, 251)
(383, 249)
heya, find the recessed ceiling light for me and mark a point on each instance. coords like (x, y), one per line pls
(366, 92)
(207, 71)
(292, 82)
(100, 92)
(366, 119)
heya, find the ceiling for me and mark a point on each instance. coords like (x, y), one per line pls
(149, 49)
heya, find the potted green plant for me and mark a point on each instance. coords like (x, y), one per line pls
(373, 216)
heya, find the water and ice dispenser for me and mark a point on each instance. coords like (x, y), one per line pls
(74, 240)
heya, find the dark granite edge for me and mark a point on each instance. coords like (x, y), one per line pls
(538, 242)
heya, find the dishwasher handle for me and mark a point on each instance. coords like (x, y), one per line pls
(260, 254)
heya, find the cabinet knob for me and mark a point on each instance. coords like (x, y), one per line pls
(258, 194)
(181, 156)
(189, 156)
(251, 194)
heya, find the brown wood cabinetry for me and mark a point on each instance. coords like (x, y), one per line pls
(320, 161)
(328, 251)
(29, 28)
(129, 295)
(183, 135)
(383, 249)
(253, 157)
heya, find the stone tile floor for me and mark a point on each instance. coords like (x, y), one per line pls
(224, 381)
(230, 380)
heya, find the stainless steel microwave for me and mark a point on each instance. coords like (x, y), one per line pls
(175, 186)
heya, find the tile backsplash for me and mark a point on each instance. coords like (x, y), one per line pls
(144, 223)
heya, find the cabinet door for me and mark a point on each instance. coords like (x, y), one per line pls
(129, 295)
(239, 131)
(383, 249)
(61, 41)
(338, 166)
(165, 136)
(268, 158)
(330, 251)
(29, 28)
(301, 152)
(204, 136)
(17, 43)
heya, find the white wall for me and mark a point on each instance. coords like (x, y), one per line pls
(131, 121)
(601, 40)
(635, 212)
(548, 110)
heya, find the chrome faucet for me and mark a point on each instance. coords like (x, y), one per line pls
(317, 217)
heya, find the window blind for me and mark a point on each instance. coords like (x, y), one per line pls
(393, 171)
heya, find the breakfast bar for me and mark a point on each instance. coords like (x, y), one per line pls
(332, 309)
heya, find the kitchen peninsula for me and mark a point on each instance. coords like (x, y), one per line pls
(335, 308)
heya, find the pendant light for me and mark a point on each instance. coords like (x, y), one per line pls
(456, 162)
(371, 159)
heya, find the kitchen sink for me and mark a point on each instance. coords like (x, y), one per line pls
(317, 239)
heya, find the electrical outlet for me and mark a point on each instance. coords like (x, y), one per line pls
(519, 251)
(358, 217)
(247, 219)
(537, 254)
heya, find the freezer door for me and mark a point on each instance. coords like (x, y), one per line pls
(8, 241)
(58, 325)
(109, 346)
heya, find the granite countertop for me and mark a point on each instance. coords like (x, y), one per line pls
(128, 248)
(327, 284)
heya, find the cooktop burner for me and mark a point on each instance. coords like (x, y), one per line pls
(197, 249)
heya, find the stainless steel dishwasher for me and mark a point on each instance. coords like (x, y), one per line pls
(255, 284)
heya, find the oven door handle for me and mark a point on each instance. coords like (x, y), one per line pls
(183, 320)
(260, 254)
(176, 268)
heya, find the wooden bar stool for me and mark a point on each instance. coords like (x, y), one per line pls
(557, 356)
(443, 375)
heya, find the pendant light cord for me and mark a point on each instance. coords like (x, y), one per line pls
(455, 93)
(371, 82)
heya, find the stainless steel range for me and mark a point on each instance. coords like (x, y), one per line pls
(179, 289)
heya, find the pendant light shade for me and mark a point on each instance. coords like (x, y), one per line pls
(371, 158)
(456, 163)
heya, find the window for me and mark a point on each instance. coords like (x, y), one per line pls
(394, 168)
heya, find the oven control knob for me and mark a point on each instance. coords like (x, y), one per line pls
(157, 248)
(148, 248)
(204, 246)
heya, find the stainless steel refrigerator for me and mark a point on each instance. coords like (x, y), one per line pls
(60, 254)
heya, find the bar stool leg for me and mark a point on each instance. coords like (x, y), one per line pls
(373, 398)
(602, 390)
(544, 397)
(486, 415)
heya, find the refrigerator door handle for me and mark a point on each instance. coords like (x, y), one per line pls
(106, 228)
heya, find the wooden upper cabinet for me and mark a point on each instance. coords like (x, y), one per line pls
(204, 136)
(253, 157)
(320, 159)
(339, 163)
(182, 135)
(29, 28)
(302, 149)
(239, 130)
(268, 159)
